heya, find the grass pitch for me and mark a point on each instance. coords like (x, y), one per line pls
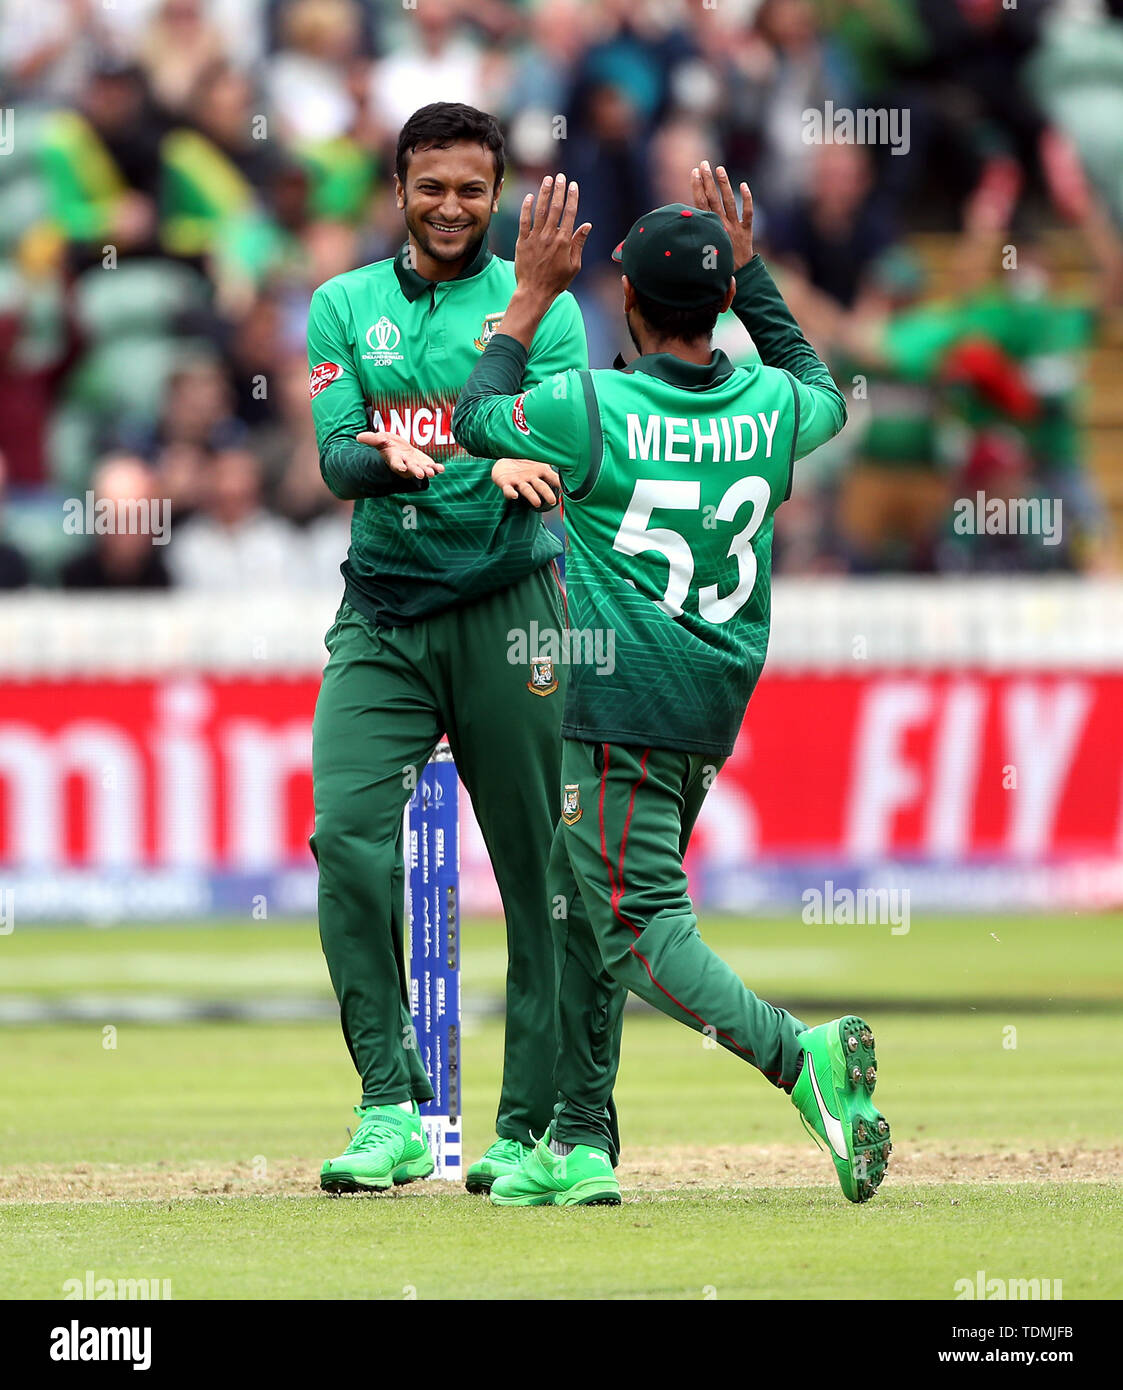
(189, 1151)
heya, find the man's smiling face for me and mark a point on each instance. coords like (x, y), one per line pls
(448, 199)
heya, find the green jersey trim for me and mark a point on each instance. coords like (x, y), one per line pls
(596, 442)
(795, 434)
(688, 376)
(414, 285)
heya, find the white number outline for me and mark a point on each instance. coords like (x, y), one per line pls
(635, 537)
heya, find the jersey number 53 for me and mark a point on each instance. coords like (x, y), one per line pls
(635, 537)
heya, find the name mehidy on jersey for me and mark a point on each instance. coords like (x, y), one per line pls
(713, 439)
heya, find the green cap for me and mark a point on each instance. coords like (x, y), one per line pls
(678, 256)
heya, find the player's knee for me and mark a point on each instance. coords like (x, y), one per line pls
(343, 838)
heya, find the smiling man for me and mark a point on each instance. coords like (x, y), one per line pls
(441, 569)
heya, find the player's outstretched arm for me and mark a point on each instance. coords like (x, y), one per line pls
(548, 424)
(527, 480)
(771, 324)
(547, 256)
(351, 467)
(399, 455)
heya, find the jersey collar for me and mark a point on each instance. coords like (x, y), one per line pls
(414, 285)
(689, 376)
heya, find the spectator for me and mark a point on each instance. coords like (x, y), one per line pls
(679, 144)
(232, 543)
(306, 81)
(179, 43)
(101, 164)
(124, 557)
(288, 449)
(252, 355)
(251, 138)
(610, 162)
(969, 102)
(544, 65)
(437, 61)
(834, 232)
(790, 68)
(39, 343)
(38, 54)
(198, 409)
(214, 167)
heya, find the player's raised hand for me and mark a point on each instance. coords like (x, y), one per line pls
(399, 454)
(714, 193)
(548, 251)
(534, 482)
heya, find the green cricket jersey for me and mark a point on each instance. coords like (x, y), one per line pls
(388, 349)
(672, 474)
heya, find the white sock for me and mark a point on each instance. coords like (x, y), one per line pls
(406, 1105)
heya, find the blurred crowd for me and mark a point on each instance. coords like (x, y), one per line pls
(177, 176)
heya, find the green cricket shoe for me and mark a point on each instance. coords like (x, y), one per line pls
(833, 1095)
(505, 1156)
(389, 1148)
(581, 1178)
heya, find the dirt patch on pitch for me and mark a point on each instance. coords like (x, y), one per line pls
(682, 1170)
(109, 1182)
(789, 1166)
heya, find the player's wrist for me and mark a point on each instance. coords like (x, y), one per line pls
(524, 313)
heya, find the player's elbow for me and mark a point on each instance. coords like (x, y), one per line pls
(462, 430)
(835, 403)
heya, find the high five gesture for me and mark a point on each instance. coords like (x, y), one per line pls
(547, 255)
(714, 193)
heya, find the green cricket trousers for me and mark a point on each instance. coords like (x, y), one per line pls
(624, 921)
(387, 696)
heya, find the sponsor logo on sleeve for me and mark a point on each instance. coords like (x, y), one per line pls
(518, 416)
(321, 375)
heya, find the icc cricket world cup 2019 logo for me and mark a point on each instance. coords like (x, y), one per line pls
(383, 338)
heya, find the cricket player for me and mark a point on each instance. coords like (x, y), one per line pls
(671, 470)
(440, 570)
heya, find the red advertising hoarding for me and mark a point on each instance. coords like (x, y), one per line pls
(206, 778)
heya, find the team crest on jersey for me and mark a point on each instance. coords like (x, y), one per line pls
(571, 804)
(321, 375)
(383, 338)
(487, 332)
(543, 677)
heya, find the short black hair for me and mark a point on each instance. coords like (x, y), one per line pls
(441, 124)
(668, 321)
